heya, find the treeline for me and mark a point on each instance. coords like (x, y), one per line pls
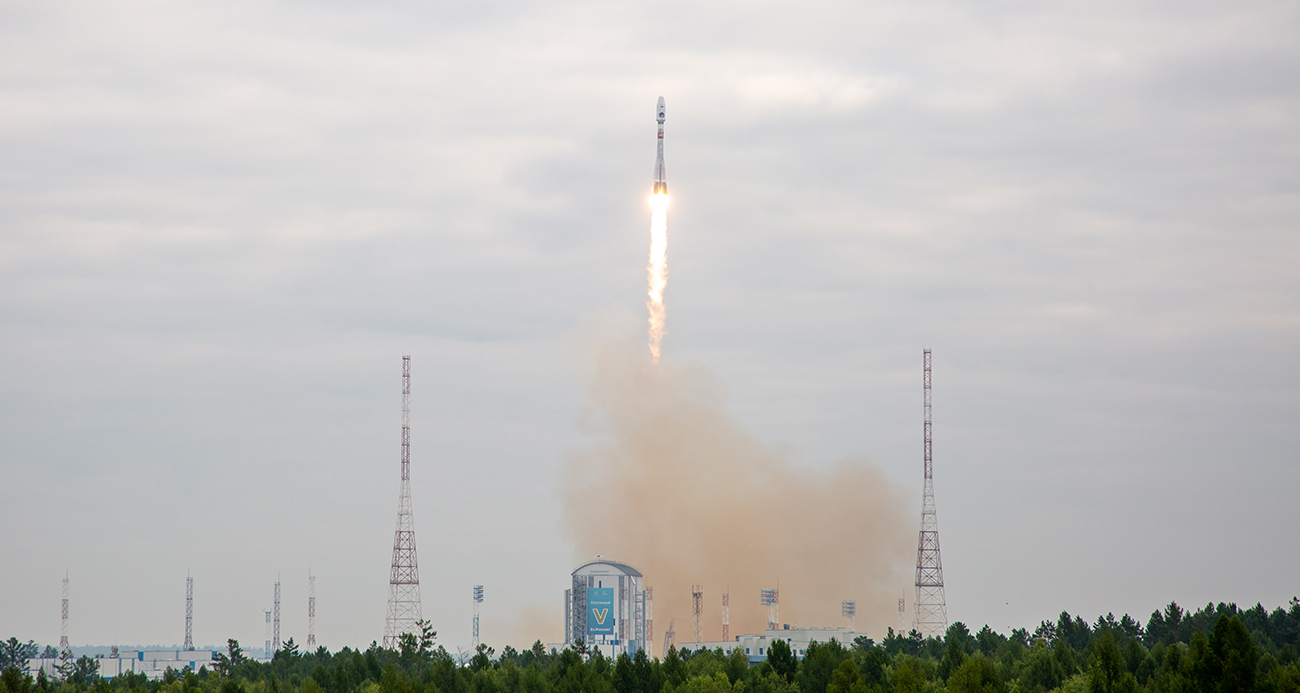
(1217, 649)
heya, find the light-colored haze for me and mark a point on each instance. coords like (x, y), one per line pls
(679, 490)
(221, 224)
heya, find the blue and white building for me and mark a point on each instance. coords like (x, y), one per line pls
(606, 608)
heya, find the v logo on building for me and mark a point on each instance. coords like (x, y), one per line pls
(601, 615)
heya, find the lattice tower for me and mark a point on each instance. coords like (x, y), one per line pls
(189, 613)
(849, 609)
(931, 617)
(478, 599)
(772, 600)
(275, 621)
(311, 609)
(268, 634)
(726, 616)
(404, 578)
(670, 636)
(650, 619)
(902, 616)
(697, 603)
(63, 639)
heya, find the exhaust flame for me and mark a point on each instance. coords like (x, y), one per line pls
(658, 269)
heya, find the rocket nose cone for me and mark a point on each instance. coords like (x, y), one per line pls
(659, 111)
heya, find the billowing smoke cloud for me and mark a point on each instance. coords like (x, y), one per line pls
(680, 492)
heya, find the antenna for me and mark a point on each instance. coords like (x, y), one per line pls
(275, 623)
(726, 615)
(269, 653)
(189, 613)
(478, 599)
(849, 609)
(931, 612)
(650, 618)
(697, 600)
(902, 619)
(404, 578)
(772, 600)
(311, 609)
(63, 639)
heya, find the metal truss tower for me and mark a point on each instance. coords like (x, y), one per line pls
(697, 601)
(931, 612)
(268, 651)
(189, 613)
(64, 647)
(902, 616)
(404, 578)
(849, 609)
(772, 600)
(670, 636)
(478, 599)
(650, 620)
(726, 616)
(311, 609)
(275, 621)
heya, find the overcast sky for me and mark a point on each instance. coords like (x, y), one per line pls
(222, 224)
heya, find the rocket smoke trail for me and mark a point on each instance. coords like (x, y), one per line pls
(675, 486)
(658, 268)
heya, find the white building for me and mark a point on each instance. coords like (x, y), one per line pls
(606, 608)
(798, 639)
(153, 663)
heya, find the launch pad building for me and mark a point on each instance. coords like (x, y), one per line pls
(606, 608)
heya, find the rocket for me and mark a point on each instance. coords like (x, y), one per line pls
(661, 181)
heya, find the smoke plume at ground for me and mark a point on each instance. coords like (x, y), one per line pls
(679, 491)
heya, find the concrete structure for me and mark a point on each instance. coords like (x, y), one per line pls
(606, 608)
(153, 663)
(797, 638)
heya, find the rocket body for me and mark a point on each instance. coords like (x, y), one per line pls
(661, 180)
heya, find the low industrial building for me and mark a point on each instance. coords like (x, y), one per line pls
(756, 646)
(152, 663)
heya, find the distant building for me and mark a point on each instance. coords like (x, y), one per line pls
(606, 608)
(756, 646)
(152, 663)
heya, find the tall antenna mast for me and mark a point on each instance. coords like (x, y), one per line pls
(726, 615)
(275, 623)
(697, 599)
(404, 578)
(650, 620)
(63, 639)
(311, 609)
(269, 653)
(902, 618)
(478, 599)
(849, 609)
(931, 612)
(772, 600)
(189, 613)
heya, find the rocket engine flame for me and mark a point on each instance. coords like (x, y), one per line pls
(658, 269)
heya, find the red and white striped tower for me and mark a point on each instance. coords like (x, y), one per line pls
(311, 609)
(63, 639)
(726, 616)
(931, 611)
(404, 578)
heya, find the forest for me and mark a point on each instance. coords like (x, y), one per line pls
(1216, 649)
